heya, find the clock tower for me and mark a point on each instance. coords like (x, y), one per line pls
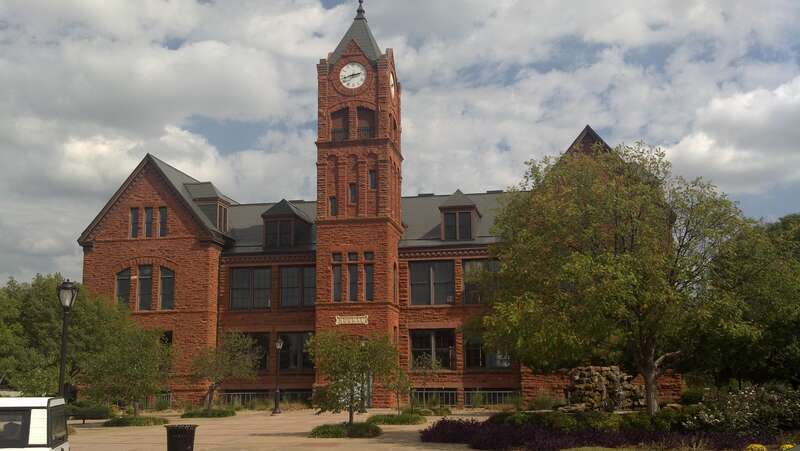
(359, 179)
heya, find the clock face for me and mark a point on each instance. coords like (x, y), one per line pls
(353, 75)
(391, 83)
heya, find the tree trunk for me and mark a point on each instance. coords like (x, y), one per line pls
(398, 402)
(351, 408)
(210, 397)
(650, 374)
(135, 409)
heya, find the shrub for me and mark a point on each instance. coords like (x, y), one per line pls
(636, 421)
(667, 420)
(692, 397)
(130, 420)
(440, 411)
(343, 430)
(404, 418)
(84, 413)
(545, 401)
(162, 404)
(557, 421)
(418, 411)
(209, 413)
(752, 410)
(450, 431)
(501, 435)
(599, 421)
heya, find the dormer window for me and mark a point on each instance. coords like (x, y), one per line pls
(285, 226)
(458, 214)
(222, 218)
(458, 225)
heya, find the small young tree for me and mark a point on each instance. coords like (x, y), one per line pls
(399, 383)
(347, 362)
(236, 357)
(133, 365)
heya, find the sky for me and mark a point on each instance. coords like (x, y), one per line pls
(225, 90)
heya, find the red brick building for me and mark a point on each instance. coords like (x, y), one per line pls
(360, 259)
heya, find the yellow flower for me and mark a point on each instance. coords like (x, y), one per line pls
(756, 447)
(787, 446)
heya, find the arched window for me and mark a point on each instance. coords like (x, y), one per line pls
(340, 129)
(366, 123)
(124, 286)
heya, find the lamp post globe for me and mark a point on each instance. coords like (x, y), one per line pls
(278, 347)
(67, 295)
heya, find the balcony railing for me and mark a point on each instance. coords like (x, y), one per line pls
(441, 397)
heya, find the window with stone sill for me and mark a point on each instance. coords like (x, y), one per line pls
(432, 282)
(251, 288)
(438, 344)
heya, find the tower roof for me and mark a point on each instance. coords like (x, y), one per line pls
(360, 33)
(586, 142)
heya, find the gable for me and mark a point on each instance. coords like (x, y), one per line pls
(147, 186)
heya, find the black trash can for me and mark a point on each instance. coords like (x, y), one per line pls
(180, 437)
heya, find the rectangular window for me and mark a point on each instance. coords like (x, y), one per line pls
(450, 226)
(298, 286)
(352, 278)
(166, 337)
(432, 283)
(261, 340)
(167, 289)
(464, 225)
(475, 356)
(373, 179)
(294, 355)
(290, 287)
(438, 344)
(148, 222)
(352, 256)
(333, 207)
(162, 221)
(124, 286)
(285, 234)
(145, 287)
(473, 270)
(369, 282)
(369, 256)
(14, 428)
(251, 288)
(134, 222)
(353, 191)
(278, 234)
(337, 283)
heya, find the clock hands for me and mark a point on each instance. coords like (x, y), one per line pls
(347, 77)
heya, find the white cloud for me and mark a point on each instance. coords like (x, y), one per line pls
(92, 85)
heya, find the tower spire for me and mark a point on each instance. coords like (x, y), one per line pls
(360, 11)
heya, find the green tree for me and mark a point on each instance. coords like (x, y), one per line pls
(347, 363)
(236, 357)
(30, 333)
(133, 364)
(750, 334)
(426, 367)
(604, 254)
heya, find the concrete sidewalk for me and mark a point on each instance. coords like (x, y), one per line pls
(250, 430)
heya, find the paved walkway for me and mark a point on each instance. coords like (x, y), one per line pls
(250, 431)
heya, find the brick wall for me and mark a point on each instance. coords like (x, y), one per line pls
(193, 321)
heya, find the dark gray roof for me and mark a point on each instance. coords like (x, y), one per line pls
(457, 199)
(421, 216)
(359, 31)
(206, 190)
(286, 208)
(180, 180)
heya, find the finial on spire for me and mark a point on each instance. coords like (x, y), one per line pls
(360, 11)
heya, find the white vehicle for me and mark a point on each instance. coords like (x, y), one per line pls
(33, 424)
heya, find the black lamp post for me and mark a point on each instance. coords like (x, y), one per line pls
(277, 409)
(67, 294)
